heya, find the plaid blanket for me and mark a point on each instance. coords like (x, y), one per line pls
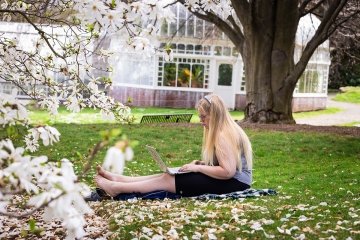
(99, 195)
(241, 194)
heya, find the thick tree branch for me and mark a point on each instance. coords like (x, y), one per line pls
(329, 18)
(234, 36)
(234, 24)
(241, 8)
(234, 33)
(321, 34)
(303, 6)
(303, 11)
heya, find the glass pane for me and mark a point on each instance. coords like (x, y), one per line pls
(190, 49)
(197, 76)
(190, 27)
(301, 83)
(164, 29)
(182, 13)
(182, 27)
(173, 29)
(217, 51)
(309, 82)
(226, 51)
(184, 75)
(173, 47)
(235, 52)
(199, 28)
(198, 49)
(209, 30)
(207, 50)
(217, 33)
(225, 75)
(170, 74)
(181, 48)
(314, 87)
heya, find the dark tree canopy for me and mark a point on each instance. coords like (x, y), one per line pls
(345, 52)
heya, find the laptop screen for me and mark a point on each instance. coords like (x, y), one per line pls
(157, 158)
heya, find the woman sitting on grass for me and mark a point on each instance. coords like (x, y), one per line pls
(225, 167)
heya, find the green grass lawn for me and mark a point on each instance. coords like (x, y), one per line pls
(351, 124)
(316, 176)
(350, 94)
(87, 116)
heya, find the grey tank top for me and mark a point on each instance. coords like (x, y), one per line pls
(245, 175)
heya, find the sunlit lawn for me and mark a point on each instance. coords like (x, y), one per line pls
(93, 116)
(350, 94)
(351, 124)
(316, 176)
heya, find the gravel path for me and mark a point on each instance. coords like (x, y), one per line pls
(350, 113)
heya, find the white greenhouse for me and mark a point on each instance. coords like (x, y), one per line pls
(205, 61)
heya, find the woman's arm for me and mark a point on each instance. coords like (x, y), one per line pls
(227, 163)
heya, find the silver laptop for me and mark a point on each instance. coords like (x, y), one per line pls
(155, 155)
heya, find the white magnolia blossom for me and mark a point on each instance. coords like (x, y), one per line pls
(222, 9)
(70, 207)
(12, 111)
(59, 187)
(51, 104)
(74, 103)
(115, 158)
(141, 43)
(168, 55)
(134, 16)
(47, 134)
(129, 153)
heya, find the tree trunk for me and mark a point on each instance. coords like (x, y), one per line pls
(268, 53)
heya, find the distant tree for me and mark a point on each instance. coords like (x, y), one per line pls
(345, 53)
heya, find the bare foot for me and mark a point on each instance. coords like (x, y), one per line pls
(106, 185)
(108, 175)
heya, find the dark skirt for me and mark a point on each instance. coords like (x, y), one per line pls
(195, 184)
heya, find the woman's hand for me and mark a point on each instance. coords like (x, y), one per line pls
(191, 167)
(198, 162)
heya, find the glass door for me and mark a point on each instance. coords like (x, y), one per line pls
(224, 86)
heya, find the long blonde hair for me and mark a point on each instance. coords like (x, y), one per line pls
(222, 123)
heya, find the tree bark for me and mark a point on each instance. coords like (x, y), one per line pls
(268, 57)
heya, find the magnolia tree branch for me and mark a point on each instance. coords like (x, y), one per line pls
(90, 158)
